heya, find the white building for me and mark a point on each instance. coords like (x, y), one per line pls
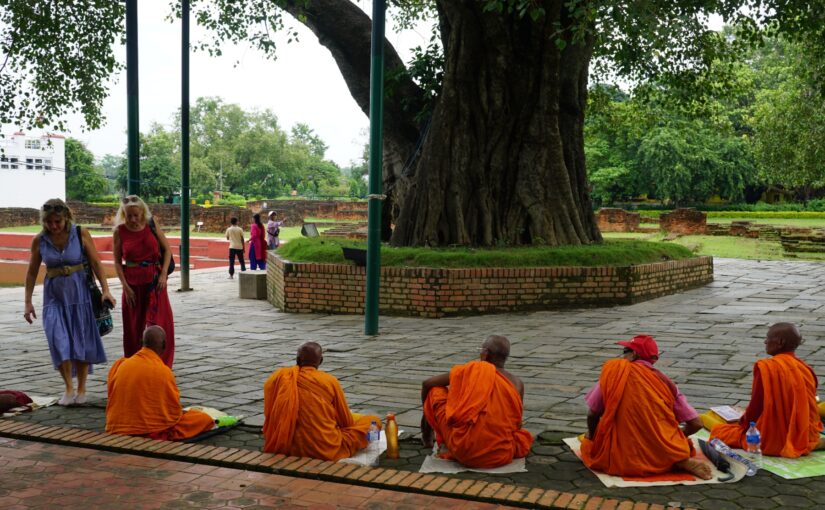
(32, 169)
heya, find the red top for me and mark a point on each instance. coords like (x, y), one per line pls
(140, 246)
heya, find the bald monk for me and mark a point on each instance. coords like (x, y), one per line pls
(475, 410)
(306, 412)
(634, 416)
(144, 399)
(783, 400)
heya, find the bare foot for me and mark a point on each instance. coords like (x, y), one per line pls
(426, 433)
(697, 468)
(821, 444)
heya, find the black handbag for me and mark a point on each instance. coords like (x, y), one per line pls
(171, 256)
(103, 315)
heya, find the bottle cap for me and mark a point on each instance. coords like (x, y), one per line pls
(390, 416)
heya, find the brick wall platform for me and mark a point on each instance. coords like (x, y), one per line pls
(686, 221)
(426, 292)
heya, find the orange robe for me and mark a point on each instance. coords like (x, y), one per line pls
(638, 434)
(478, 417)
(306, 415)
(789, 422)
(144, 401)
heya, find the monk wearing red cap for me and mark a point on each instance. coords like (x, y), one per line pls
(475, 410)
(783, 400)
(633, 421)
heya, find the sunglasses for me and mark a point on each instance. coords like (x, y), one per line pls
(131, 199)
(58, 208)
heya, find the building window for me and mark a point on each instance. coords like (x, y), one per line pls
(32, 144)
(47, 164)
(13, 167)
(5, 167)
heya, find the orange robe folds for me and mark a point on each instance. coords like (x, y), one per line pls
(306, 415)
(144, 401)
(478, 417)
(789, 422)
(638, 434)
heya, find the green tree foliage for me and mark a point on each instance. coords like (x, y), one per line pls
(238, 152)
(56, 58)
(789, 120)
(83, 182)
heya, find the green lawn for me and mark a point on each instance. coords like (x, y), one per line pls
(722, 246)
(788, 222)
(611, 253)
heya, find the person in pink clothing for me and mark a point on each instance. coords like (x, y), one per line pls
(257, 244)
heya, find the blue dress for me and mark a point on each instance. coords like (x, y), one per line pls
(68, 319)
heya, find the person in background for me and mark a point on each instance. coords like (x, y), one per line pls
(68, 318)
(273, 230)
(257, 244)
(236, 246)
(142, 271)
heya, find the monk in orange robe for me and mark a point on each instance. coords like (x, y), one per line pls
(475, 410)
(306, 412)
(636, 431)
(783, 400)
(144, 399)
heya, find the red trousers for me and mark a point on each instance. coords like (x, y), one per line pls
(152, 308)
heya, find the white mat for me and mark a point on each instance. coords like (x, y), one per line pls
(433, 464)
(364, 457)
(37, 403)
(736, 468)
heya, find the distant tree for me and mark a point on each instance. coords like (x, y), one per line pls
(303, 134)
(159, 164)
(109, 166)
(83, 182)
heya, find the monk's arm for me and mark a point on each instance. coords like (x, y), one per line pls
(754, 410)
(692, 426)
(592, 423)
(436, 381)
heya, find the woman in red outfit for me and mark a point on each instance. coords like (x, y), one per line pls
(143, 274)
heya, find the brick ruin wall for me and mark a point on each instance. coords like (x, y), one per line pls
(215, 218)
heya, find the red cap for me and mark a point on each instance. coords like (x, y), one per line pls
(643, 345)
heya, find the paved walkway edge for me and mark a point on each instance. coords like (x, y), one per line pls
(382, 478)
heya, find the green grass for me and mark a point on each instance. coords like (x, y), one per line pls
(787, 222)
(612, 253)
(329, 220)
(722, 246)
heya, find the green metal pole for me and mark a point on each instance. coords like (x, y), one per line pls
(184, 147)
(376, 159)
(133, 128)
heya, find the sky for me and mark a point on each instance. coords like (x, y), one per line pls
(302, 85)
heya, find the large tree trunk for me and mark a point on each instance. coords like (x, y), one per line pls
(503, 161)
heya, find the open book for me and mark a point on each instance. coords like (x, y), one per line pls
(728, 413)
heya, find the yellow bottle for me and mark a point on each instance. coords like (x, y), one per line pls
(391, 430)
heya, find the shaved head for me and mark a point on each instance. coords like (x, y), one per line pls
(310, 355)
(155, 338)
(783, 337)
(495, 349)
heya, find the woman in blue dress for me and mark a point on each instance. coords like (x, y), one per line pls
(68, 318)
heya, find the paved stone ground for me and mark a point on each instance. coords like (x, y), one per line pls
(710, 337)
(47, 476)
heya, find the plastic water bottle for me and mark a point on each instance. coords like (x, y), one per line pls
(724, 449)
(373, 448)
(753, 440)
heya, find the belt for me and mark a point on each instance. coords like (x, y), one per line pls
(145, 263)
(54, 272)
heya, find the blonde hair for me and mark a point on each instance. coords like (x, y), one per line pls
(131, 201)
(48, 208)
